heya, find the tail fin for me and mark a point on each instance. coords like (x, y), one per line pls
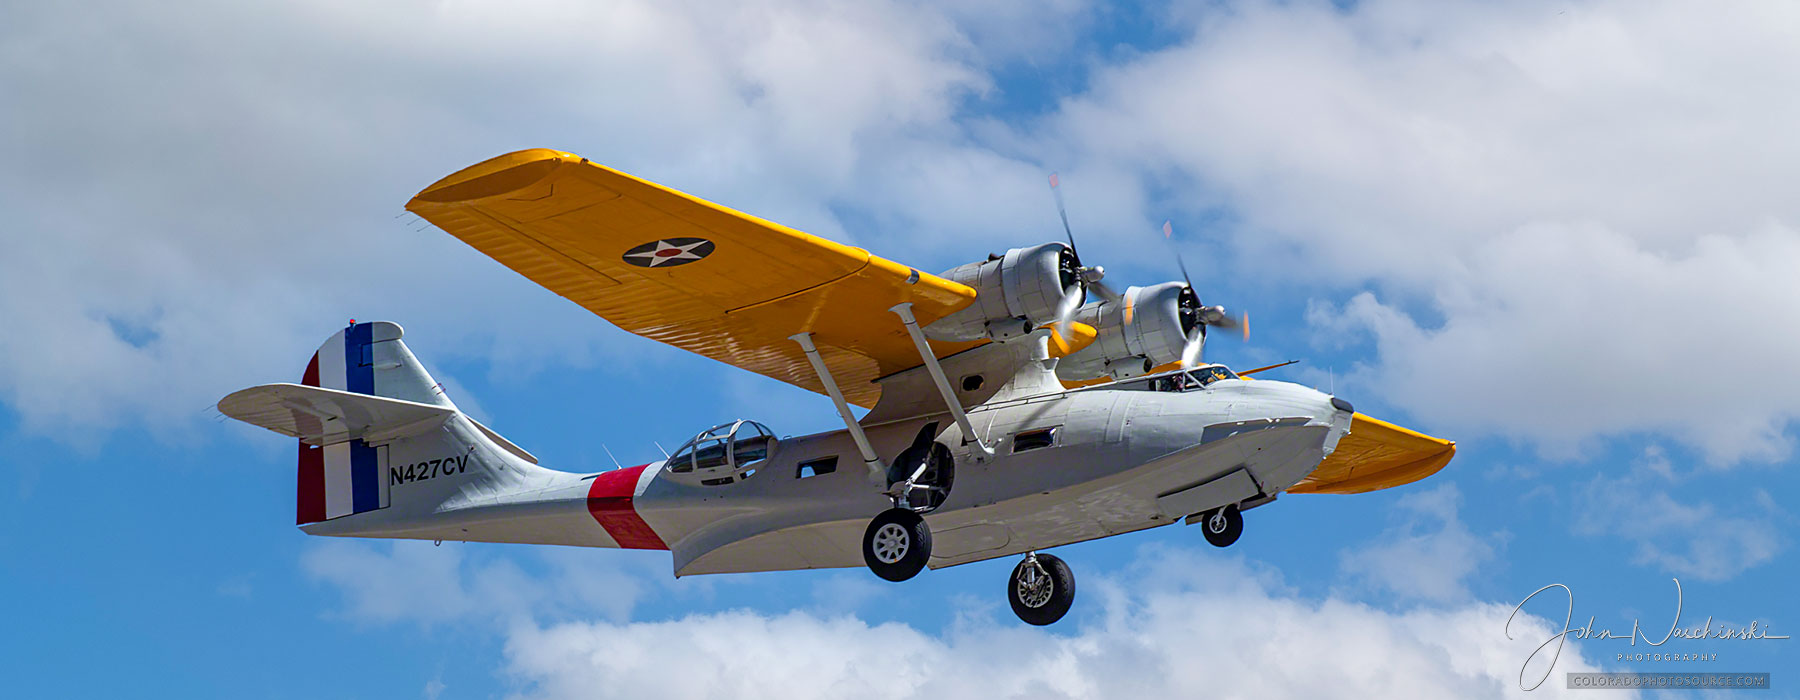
(368, 358)
(346, 478)
(379, 439)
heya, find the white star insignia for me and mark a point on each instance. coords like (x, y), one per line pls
(665, 253)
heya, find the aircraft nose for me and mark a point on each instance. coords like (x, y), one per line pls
(1317, 405)
(1272, 399)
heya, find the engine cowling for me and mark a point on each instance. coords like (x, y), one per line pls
(1144, 328)
(1015, 293)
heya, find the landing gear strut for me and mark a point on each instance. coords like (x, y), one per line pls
(897, 543)
(1041, 589)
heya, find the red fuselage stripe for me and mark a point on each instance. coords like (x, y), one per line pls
(609, 501)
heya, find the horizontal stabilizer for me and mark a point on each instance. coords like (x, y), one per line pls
(321, 416)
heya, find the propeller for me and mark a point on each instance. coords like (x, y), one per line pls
(1074, 290)
(1201, 316)
(1081, 278)
(1062, 211)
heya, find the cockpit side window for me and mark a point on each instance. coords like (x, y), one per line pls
(1177, 382)
(748, 451)
(705, 451)
(710, 454)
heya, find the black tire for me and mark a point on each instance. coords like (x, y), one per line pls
(1042, 607)
(1223, 525)
(904, 547)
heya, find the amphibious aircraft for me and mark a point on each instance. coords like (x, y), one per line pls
(1009, 410)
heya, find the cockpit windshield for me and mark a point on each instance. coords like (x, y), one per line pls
(1208, 375)
(731, 450)
(1197, 378)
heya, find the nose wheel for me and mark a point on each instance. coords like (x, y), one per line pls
(1222, 525)
(897, 544)
(1041, 589)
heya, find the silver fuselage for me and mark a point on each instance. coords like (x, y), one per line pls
(1117, 450)
(1124, 457)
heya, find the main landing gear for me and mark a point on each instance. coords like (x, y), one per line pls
(897, 544)
(1041, 589)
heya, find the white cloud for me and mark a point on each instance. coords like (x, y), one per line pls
(1561, 335)
(392, 586)
(1426, 553)
(1174, 622)
(1589, 195)
(1577, 213)
(1176, 625)
(217, 180)
(1395, 135)
(1697, 539)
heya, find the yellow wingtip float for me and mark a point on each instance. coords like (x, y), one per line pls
(1375, 455)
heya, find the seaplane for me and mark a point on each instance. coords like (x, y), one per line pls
(1014, 404)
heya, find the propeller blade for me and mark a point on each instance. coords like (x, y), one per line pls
(1240, 323)
(1169, 235)
(1061, 211)
(1107, 293)
(1217, 318)
(1190, 354)
(1065, 311)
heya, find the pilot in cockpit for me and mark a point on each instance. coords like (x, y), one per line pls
(1194, 379)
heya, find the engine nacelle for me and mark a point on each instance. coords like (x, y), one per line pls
(1146, 327)
(1015, 293)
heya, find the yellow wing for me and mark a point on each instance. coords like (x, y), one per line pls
(1375, 455)
(696, 275)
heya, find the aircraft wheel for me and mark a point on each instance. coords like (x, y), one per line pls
(1041, 591)
(1223, 525)
(897, 544)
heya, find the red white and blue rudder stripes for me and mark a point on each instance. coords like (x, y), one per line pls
(364, 358)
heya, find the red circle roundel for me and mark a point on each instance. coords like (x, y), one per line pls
(669, 252)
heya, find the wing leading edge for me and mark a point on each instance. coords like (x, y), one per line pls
(696, 275)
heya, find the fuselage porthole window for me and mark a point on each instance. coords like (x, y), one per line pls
(815, 467)
(1033, 439)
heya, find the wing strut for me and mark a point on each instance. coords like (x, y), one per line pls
(904, 310)
(870, 460)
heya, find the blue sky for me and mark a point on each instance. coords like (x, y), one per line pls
(1557, 232)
